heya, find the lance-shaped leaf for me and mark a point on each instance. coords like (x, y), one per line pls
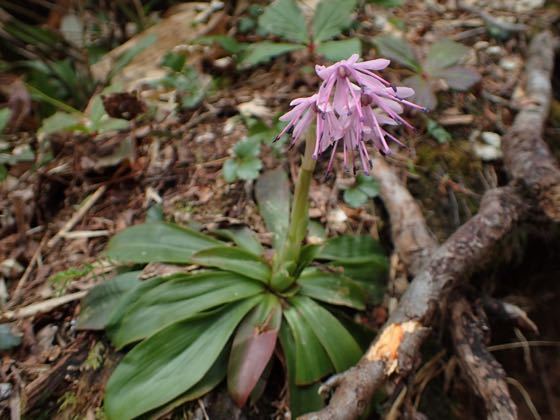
(312, 362)
(361, 258)
(170, 362)
(100, 302)
(272, 192)
(243, 237)
(235, 260)
(342, 349)
(211, 379)
(158, 242)
(350, 248)
(284, 18)
(331, 18)
(332, 288)
(303, 399)
(182, 297)
(252, 348)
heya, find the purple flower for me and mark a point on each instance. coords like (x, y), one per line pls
(352, 105)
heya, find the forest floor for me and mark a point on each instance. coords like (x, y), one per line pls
(174, 164)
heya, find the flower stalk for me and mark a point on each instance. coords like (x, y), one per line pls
(287, 258)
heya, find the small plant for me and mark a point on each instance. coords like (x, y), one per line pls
(239, 306)
(285, 19)
(61, 280)
(245, 163)
(189, 87)
(364, 187)
(440, 63)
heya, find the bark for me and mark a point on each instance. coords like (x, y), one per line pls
(484, 373)
(526, 157)
(411, 236)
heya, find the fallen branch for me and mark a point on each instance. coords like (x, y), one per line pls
(526, 156)
(501, 209)
(484, 373)
(411, 236)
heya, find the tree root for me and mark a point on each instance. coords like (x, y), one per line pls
(534, 189)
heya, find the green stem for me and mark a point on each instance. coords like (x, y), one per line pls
(289, 254)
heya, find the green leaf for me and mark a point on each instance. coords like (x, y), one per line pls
(248, 169)
(331, 288)
(252, 348)
(312, 361)
(303, 399)
(3, 172)
(285, 19)
(361, 258)
(438, 132)
(235, 260)
(246, 148)
(350, 248)
(211, 379)
(177, 298)
(388, 3)
(459, 78)
(229, 170)
(228, 43)
(342, 349)
(100, 302)
(340, 50)
(261, 52)
(170, 362)
(443, 54)
(423, 93)
(355, 197)
(61, 121)
(158, 242)
(8, 340)
(331, 18)
(5, 114)
(368, 185)
(398, 50)
(272, 192)
(243, 237)
(174, 61)
(364, 188)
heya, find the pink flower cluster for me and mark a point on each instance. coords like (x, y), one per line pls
(352, 105)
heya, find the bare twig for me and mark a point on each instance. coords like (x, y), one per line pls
(491, 21)
(485, 374)
(41, 307)
(86, 205)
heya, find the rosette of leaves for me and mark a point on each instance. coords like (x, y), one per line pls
(225, 319)
(285, 19)
(440, 63)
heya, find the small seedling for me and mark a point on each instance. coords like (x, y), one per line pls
(364, 188)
